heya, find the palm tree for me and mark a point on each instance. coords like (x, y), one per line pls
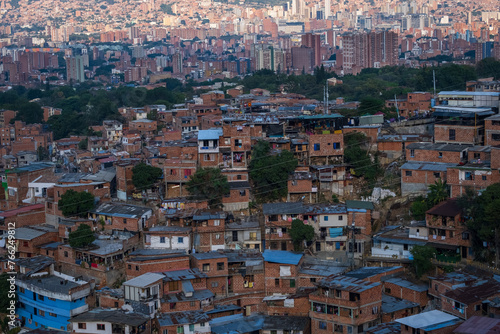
(438, 192)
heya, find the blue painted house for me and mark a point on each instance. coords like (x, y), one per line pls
(49, 301)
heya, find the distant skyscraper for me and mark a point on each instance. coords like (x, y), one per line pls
(314, 42)
(328, 9)
(75, 69)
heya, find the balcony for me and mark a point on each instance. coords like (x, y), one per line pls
(208, 149)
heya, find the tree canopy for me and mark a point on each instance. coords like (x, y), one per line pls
(422, 259)
(481, 214)
(74, 203)
(300, 232)
(145, 176)
(209, 184)
(82, 237)
(359, 158)
(438, 192)
(269, 172)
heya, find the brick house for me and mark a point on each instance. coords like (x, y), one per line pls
(142, 261)
(243, 233)
(432, 322)
(215, 266)
(300, 185)
(281, 268)
(188, 322)
(176, 173)
(238, 197)
(185, 290)
(113, 131)
(278, 220)
(492, 130)
(404, 289)
(208, 231)
(118, 216)
(246, 278)
(465, 302)
(119, 321)
(478, 173)
(345, 305)
(456, 125)
(326, 148)
(146, 289)
(416, 176)
(19, 178)
(336, 179)
(168, 237)
(31, 238)
(23, 216)
(395, 308)
(442, 153)
(447, 231)
(124, 174)
(145, 127)
(208, 147)
(441, 284)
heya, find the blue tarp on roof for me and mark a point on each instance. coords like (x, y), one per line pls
(284, 257)
(336, 232)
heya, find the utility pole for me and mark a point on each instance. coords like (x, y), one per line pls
(434, 82)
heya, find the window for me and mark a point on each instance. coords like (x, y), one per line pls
(191, 327)
(412, 153)
(65, 254)
(235, 235)
(206, 267)
(21, 290)
(82, 325)
(469, 176)
(322, 325)
(52, 299)
(388, 291)
(495, 136)
(217, 236)
(276, 282)
(440, 154)
(341, 217)
(53, 315)
(180, 240)
(40, 297)
(292, 283)
(437, 175)
(180, 329)
(465, 236)
(408, 173)
(192, 304)
(202, 324)
(165, 331)
(238, 177)
(326, 218)
(173, 286)
(316, 147)
(451, 134)
(129, 266)
(197, 280)
(220, 265)
(207, 157)
(477, 308)
(101, 327)
(137, 268)
(215, 284)
(375, 310)
(124, 221)
(336, 146)
(217, 222)
(41, 313)
(483, 177)
(162, 240)
(242, 192)
(312, 279)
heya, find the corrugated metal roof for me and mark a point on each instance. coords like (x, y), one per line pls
(428, 166)
(212, 134)
(283, 257)
(144, 280)
(346, 283)
(426, 320)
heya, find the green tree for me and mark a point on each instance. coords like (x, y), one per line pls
(269, 172)
(300, 232)
(76, 203)
(145, 176)
(83, 144)
(42, 153)
(359, 158)
(438, 192)
(208, 184)
(419, 207)
(371, 105)
(82, 237)
(422, 259)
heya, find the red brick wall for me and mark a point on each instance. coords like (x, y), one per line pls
(397, 291)
(326, 147)
(136, 268)
(463, 134)
(433, 156)
(275, 283)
